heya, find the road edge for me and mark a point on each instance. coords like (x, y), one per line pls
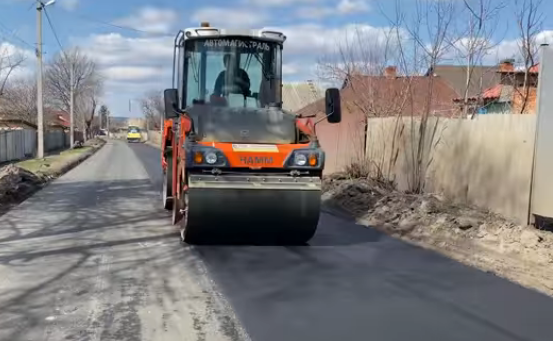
(74, 163)
(47, 179)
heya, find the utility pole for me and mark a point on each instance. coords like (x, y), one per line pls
(147, 117)
(71, 105)
(107, 123)
(39, 104)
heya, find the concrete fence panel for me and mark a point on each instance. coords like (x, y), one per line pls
(486, 161)
(55, 140)
(22, 144)
(30, 141)
(15, 145)
(154, 137)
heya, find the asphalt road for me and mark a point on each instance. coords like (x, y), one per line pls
(92, 257)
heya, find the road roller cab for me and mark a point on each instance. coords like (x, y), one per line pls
(237, 167)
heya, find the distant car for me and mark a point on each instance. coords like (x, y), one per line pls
(133, 134)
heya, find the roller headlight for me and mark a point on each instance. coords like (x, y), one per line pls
(211, 158)
(300, 159)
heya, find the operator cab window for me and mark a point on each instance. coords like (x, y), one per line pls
(233, 72)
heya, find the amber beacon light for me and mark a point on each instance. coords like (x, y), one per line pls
(204, 24)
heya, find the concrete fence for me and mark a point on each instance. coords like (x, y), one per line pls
(22, 144)
(486, 161)
(17, 144)
(154, 137)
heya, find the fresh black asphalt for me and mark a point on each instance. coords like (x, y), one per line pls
(353, 283)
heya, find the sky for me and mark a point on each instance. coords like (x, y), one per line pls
(131, 40)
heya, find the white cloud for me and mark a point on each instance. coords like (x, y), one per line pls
(114, 49)
(278, 3)
(69, 5)
(9, 52)
(131, 66)
(229, 17)
(498, 51)
(133, 73)
(352, 6)
(314, 12)
(315, 39)
(344, 7)
(150, 19)
(11, 55)
(290, 69)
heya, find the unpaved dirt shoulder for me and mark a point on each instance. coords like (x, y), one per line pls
(19, 181)
(472, 236)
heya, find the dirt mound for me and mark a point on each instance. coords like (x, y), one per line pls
(468, 234)
(17, 183)
(94, 142)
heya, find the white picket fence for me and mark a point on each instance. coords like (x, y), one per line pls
(22, 143)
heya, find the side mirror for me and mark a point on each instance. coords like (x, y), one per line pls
(171, 100)
(333, 107)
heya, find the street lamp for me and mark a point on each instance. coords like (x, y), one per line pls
(40, 109)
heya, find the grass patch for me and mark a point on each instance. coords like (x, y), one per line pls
(51, 164)
(76, 150)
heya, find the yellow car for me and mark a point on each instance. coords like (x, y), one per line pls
(133, 134)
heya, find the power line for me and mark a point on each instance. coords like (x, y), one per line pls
(112, 25)
(53, 29)
(14, 35)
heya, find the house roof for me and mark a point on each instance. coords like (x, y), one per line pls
(297, 95)
(58, 117)
(389, 96)
(493, 92)
(482, 77)
(500, 92)
(15, 123)
(533, 69)
(503, 92)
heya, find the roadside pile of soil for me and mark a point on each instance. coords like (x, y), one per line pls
(16, 184)
(477, 237)
(95, 142)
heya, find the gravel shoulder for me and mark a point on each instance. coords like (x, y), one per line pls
(470, 235)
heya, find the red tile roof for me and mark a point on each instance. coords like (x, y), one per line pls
(58, 117)
(493, 92)
(533, 69)
(380, 96)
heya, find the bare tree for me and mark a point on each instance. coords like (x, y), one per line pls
(103, 114)
(385, 77)
(87, 85)
(479, 22)
(430, 33)
(355, 63)
(85, 108)
(152, 107)
(10, 60)
(529, 18)
(19, 100)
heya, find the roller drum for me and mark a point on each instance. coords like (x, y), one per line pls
(242, 209)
